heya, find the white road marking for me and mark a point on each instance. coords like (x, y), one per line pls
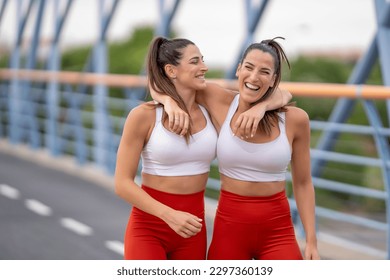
(38, 207)
(9, 192)
(68, 223)
(76, 226)
(115, 246)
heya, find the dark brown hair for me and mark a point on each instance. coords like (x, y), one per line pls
(276, 51)
(164, 51)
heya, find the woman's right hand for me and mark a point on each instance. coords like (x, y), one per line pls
(178, 119)
(183, 223)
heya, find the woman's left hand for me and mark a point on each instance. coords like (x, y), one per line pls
(248, 121)
(178, 119)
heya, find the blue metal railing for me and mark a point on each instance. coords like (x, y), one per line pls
(77, 118)
(75, 134)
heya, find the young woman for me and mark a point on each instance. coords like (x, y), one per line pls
(167, 218)
(253, 219)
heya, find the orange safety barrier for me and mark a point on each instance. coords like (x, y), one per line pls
(112, 80)
(337, 90)
(119, 80)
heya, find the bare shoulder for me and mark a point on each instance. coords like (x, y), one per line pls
(297, 123)
(297, 115)
(215, 92)
(214, 96)
(142, 116)
(142, 111)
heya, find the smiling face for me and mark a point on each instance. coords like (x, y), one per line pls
(256, 74)
(190, 72)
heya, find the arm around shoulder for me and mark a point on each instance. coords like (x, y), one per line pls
(215, 94)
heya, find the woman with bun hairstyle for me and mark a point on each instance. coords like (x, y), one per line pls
(253, 219)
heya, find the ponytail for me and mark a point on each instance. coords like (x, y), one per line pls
(164, 51)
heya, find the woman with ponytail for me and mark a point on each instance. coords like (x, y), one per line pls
(167, 218)
(253, 219)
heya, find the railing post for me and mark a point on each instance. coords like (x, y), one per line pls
(2, 9)
(52, 92)
(344, 106)
(30, 108)
(254, 14)
(167, 14)
(384, 153)
(14, 96)
(101, 117)
(3, 87)
(383, 41)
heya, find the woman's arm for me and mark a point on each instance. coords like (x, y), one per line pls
(248, 121)
(217, 100)
(301, 177)
(178, 120)
(138, 125)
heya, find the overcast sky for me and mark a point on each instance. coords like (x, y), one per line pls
(218, 26)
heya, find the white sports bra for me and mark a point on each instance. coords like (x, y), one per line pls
(255, 162)
(168, 154)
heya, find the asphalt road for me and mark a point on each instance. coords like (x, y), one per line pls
(48, 214)
(70, 213)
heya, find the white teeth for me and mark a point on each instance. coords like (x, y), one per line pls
(250, 86)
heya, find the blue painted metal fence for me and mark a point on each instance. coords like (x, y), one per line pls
(75, 119)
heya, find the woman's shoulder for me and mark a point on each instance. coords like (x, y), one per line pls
(219, 93)
(145, 108)
(297, 115)
(139, 122)
(143, 113)
(217, 87)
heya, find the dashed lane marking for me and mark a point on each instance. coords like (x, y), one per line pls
(76, 226)
(38, 207)
(115, 246)
(9, 192)
(68, 223)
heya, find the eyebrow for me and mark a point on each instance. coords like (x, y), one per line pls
(196, 58)
(262, 68)
(247, 62)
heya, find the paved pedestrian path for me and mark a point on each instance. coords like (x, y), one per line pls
(336, 241)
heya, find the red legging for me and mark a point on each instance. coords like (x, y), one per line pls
(253, 228)
(150, 238)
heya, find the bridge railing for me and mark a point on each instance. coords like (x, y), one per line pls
(82, 114)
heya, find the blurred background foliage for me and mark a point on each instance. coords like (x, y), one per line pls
(128, 57)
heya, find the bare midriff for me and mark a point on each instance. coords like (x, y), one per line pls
(246, 188)
(176, 184)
